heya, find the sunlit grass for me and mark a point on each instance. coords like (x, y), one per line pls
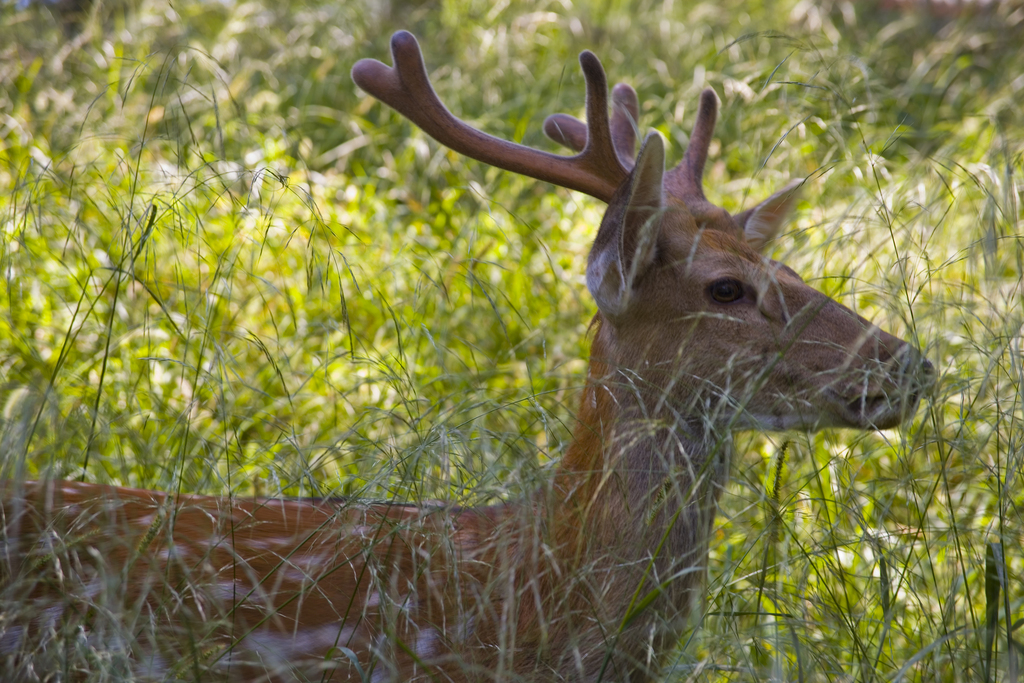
(226, 270)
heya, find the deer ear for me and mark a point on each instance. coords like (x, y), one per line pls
(761, 223)
(625, 244)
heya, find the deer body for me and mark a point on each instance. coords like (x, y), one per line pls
(248, 589)
(593, 576)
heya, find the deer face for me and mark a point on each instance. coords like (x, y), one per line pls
(702, 324)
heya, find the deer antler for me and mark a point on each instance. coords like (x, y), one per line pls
(597, 170)
(572, 133)
(685, 180)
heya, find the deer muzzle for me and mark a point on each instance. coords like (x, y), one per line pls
(882, 390)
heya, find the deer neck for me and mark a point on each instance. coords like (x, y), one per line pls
(637, 476)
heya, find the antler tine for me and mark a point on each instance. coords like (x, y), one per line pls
(567, 131)
(686, 179)
(625, 117)
(572, 133)
(406, 88)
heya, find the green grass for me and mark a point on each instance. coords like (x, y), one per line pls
(225, 269)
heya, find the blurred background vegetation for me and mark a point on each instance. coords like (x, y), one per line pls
(227, 270)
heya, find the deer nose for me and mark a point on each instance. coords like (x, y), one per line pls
(913, 361)
(926, 375)
(916, 369)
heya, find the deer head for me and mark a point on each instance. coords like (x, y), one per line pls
(715, 329)
(693, 319)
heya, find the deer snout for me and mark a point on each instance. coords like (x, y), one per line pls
(893, 378)
(915, 372)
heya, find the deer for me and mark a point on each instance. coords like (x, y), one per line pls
(592, 577)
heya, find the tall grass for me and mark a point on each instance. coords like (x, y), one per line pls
(226, 270)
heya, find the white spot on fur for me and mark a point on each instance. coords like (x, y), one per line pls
(327, 637)
(49, 617)
(273, 648)
(150, 665)
(312, 563)
(407, 603)
(426, 643)
(465, 627)
(10, 640)
(92, 589)
(372, 599)
(263, 543)
(277, 647)
(381, 671)
(145, 520)
(227, 591)
(293, 575)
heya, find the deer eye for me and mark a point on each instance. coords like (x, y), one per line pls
(726, 291)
